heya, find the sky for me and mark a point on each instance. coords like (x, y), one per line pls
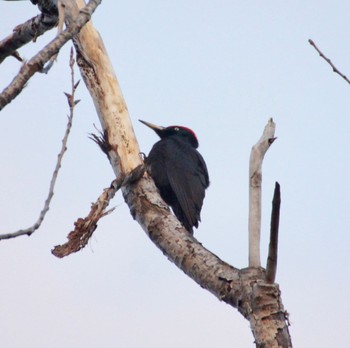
(222, 69)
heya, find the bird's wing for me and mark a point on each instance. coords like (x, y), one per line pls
(188, 178)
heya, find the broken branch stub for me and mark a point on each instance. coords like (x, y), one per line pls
(255, 179)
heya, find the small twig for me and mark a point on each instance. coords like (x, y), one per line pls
(36, 63)
(255, 179)
(312, 43)
(16, 55)
(271, 266)
(85, 227)
(70, 97)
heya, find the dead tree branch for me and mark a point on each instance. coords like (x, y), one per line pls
(25, 33)
(245, 289)
(85, 227)
(255, 179)
(37, 62)
(271, 266)
(99, 77)
(71, 102)
(312, 43)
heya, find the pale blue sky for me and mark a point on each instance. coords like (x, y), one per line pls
(221, 69)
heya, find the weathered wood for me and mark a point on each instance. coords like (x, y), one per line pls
(37, 62)
(255, 179)
(101, 81)
(245, 289)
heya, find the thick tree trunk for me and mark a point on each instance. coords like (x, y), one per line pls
(245, 289)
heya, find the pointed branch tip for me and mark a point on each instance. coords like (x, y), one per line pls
(271, 265)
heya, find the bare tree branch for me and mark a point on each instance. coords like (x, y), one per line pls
(255, 179)
(312, 43)
(245, 289)
(85, 227)
(99, 76)
(271, 266)
(36, 63)
(24, 33)
(72, 102)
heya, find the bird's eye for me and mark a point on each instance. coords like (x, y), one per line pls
(177, 129)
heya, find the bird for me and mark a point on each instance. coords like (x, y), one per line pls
(179, 172)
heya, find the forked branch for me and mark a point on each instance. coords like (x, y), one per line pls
(36, 63)
(245, 289)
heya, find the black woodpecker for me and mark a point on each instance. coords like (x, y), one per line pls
(179, 172)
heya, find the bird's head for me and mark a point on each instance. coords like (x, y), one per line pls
(178, 131)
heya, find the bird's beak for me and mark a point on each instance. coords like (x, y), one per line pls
(157, 129)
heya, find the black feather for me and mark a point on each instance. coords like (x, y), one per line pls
(180, 174)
